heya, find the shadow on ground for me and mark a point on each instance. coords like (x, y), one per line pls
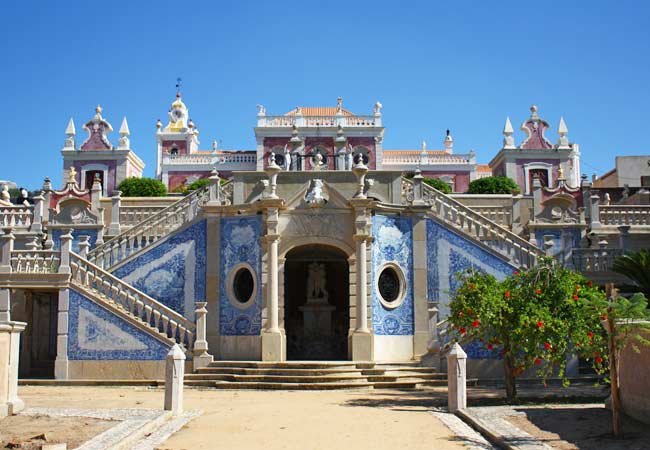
(587, 427)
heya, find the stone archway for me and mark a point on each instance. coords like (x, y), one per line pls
(316, 303)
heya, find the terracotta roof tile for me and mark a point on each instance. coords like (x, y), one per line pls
(318, 111)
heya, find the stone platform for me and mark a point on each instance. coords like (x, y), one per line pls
(314, 375)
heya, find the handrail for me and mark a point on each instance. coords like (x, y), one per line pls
(477, 226)
(133, 301)
(16, 216)
(625, 215)
(149, 230)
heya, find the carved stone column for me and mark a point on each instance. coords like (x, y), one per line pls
(362, 339)
(273, 341)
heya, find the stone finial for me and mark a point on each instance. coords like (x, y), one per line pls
(377, 108)
(159, 125)
(215, 145)
(4, 195)
(533, 112)
(563, 131)
(508, 131)
(449, 142)
(339, 105)
(70, 129)
(123, 143)
(424, 146)
(261, 110)
(70, 132)
(72, 175)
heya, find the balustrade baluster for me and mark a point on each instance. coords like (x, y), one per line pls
(147, 314)
(156, 319)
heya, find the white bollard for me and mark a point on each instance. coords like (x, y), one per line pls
(456, 379)
(174, 374)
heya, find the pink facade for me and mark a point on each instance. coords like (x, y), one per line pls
(180, 178)
(461, 179)
(179, 145)
(111, 172)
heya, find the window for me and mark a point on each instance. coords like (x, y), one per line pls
(391, 286)
(173, 151)
(243, 285)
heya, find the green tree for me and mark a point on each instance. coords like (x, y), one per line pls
(142, 187)
(636, 267)
(493, 185)
(532, 319)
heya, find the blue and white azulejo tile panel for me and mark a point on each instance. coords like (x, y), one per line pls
(173, 271)
(449, 253)
(94, 333)
(393, 243)
(92, 234)
(240, 243)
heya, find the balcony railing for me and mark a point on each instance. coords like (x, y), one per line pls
(319, 121)
(595, 259)
(35, 261)
(213, 159)
(410, 158)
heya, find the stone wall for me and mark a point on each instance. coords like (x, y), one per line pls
(634, 375)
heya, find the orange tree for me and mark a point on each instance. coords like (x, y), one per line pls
(532, 319)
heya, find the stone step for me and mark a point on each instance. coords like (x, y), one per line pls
(292, 371)
(302, 386)
(314, 364)
(310, 378)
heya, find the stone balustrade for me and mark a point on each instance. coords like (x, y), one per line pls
(422, 159)
(595, 259)
(319, 121)
(149, 231)
(625, 215)
(133, 215)
(119, 294)
(35, 261)
(520, 251)
(16, 216)
(501, 215)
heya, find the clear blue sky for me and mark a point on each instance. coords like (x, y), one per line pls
(434, 65)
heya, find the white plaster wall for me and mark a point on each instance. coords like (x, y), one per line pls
(393, 348)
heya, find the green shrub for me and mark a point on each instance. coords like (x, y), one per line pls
(198, 184)
(493, 185)
(438, 184)
(142, 187)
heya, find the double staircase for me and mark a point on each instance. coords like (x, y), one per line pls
(314, 375)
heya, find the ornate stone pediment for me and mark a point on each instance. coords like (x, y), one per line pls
(74, 211)
(560, 208)
(318, 224)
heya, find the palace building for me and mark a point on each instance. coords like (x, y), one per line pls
(319, 244)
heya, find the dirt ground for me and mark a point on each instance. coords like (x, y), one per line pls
(29, 430)
(580, 428)
(274, 420)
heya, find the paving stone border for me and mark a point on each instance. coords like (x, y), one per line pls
(134, 427)
(466, 434)
(490, 422)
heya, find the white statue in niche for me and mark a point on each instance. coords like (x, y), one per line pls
(316, 279)
(314, 195)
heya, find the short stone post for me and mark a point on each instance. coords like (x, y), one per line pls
(95, 194)
(37, 219)
(9, 354)
(623, 236)
(602, 255)
(66, 248)
(215, 191)
(549, 245)
(116, 203)
(594, 210)
(201, 356)
(84, 245)
(6, 247)
(418, 189)
(456, 379)
(434, 343)
(174, 374)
